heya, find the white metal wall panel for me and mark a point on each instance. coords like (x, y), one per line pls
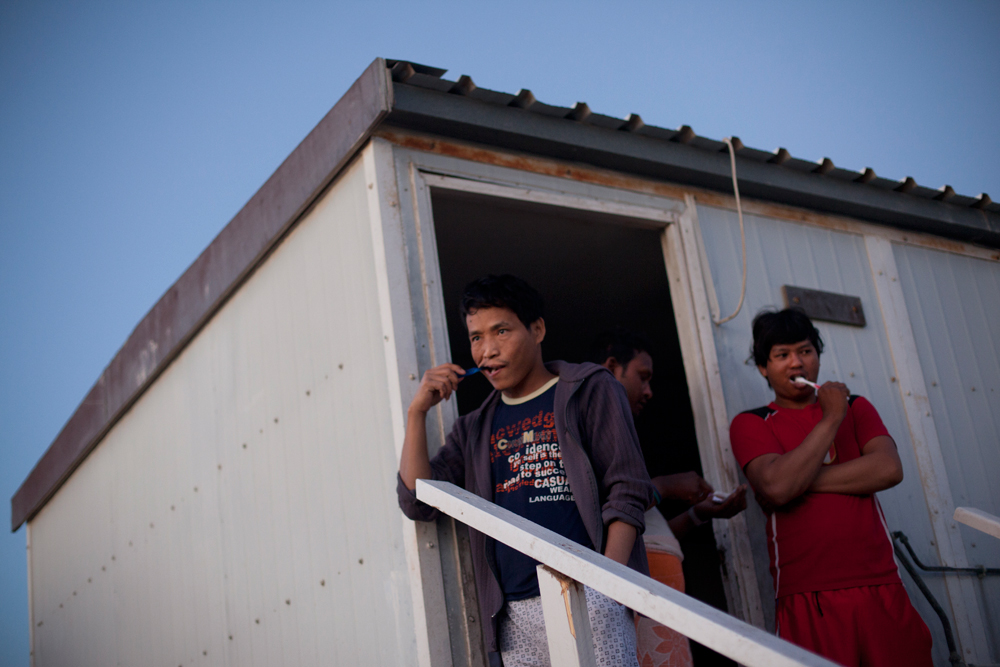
(954, 307)
(243, 511)
(784, 253)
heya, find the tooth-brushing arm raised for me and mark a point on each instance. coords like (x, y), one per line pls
(781, 478)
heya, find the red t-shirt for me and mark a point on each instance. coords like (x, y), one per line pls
(820, 541)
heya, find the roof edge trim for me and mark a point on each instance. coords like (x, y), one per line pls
(206, 285)
(427, 110)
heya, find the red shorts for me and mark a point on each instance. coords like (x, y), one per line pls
(868, 626)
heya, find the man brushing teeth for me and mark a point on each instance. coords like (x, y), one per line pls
(553, 443)
(816, 458)
(508, 353)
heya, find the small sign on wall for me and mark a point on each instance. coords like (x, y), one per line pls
(826, 306)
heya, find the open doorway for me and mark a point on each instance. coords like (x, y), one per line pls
(595, 272)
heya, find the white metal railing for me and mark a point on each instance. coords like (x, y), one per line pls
(978, 519)
(567, 567)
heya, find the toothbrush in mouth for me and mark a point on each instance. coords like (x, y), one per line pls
(801, 381)
(489, 371)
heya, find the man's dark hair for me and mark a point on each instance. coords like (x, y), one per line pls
(782, 327)
(504, 291)
(619, 343)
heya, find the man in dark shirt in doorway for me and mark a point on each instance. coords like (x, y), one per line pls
(554, 443)
(629, 357)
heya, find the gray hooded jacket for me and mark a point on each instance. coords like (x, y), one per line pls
(603, 461)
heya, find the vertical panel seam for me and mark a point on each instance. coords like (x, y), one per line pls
(937, 492)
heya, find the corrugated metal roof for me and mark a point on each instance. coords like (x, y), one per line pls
(430, 78)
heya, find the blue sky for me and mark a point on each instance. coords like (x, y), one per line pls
(130, 133)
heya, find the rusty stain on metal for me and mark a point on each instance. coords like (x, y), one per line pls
(595, 176)
(564, 585)
(527, 163)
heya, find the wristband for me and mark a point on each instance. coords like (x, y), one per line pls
(656, 496)
(694, 517)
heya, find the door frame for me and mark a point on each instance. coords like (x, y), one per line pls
(418, 172)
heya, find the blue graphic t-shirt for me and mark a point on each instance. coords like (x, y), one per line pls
(530, 480)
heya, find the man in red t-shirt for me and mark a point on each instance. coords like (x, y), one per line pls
(816, 458)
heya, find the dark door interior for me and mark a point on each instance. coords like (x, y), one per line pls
(595, 272)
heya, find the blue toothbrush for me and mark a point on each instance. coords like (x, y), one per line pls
(471, 371)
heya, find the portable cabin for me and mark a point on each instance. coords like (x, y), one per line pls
(225, 494)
